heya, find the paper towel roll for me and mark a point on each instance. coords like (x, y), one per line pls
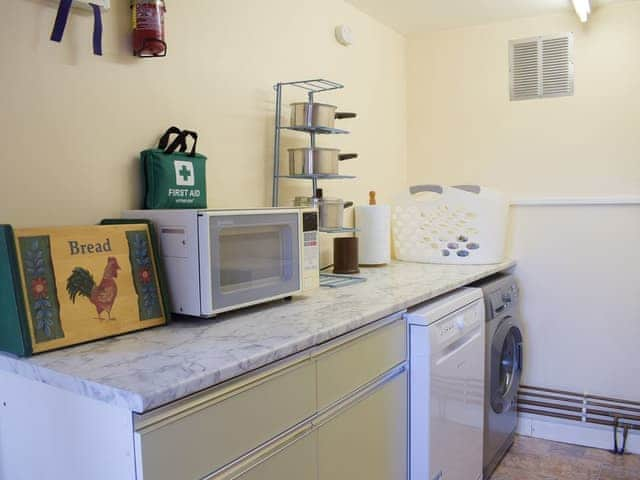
(373, 223)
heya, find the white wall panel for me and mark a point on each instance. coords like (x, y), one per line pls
(579, 267)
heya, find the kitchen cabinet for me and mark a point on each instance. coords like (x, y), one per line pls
(344, 367)
(360, 433)
(364, 436)
(349, 396)
(368, 439)
(193, 438)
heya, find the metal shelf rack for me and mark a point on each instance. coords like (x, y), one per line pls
(317, 177)
(318, 130)
(312, 87)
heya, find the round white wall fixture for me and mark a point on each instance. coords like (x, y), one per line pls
(344, 35)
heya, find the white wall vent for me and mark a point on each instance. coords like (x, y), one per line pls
(541, 67)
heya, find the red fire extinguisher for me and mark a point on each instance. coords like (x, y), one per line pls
(148, 28)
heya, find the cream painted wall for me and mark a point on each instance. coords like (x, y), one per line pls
(73, 123)
(579, 272)
(462, 126)
(579, 266)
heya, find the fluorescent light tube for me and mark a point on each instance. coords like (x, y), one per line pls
(583, 9)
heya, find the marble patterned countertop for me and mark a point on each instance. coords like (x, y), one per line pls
(147, 369)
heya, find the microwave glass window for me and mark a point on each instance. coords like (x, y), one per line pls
(251, 257)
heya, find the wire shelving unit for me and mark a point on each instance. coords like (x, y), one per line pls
(312, 87)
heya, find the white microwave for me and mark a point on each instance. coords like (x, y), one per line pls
(221, 260)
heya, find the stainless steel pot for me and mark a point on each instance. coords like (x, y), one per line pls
(316, 161)
(311, 202)
(331, 212)
(309, 115)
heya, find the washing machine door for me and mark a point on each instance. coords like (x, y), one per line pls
(506, 365)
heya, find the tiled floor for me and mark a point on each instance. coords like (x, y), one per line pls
(535, 459)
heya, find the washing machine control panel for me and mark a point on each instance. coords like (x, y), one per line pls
(504, 299)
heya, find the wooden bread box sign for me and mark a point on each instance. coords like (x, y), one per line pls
(68, 285)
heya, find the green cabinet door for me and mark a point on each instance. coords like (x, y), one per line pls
(368, 439)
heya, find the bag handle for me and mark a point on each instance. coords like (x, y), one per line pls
(469, 188)
(164, 140)
(425, 188)
(181, 140)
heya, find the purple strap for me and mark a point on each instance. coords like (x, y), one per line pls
(61, 20)
(97, 30)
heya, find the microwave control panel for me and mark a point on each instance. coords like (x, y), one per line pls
(310, 250)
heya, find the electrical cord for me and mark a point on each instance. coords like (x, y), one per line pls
(625, 434)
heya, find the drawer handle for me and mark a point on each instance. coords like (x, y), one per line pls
(336, 408)
(261, 454)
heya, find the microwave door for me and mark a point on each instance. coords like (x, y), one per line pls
(253, 258)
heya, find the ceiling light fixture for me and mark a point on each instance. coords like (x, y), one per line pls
(583, 9)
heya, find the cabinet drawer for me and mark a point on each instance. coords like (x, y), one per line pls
(297, 461)
(347, 367)
(368, 439)
(192, 441)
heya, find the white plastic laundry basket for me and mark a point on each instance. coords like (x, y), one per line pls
(464, 224)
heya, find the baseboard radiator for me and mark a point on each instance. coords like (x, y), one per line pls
(621, 415)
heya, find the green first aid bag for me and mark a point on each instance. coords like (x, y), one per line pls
(173, 177)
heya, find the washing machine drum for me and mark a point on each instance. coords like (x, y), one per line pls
(506, 365)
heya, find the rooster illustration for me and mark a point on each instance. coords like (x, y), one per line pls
(103, 295)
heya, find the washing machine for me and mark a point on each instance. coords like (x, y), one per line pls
(446, 383)
(503, 367)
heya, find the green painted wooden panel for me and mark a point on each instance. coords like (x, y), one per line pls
(14, 333)
(41, 294)
(162, 279)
